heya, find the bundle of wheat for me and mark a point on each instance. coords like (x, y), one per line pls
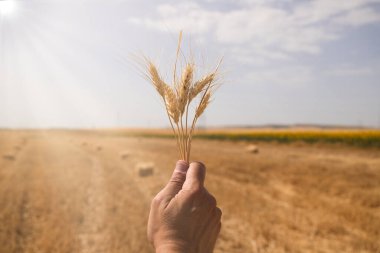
(178, 97)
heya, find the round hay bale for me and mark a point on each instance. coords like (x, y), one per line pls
(253, 149)
(9, 157)
(145, 169)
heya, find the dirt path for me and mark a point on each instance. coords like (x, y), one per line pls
(69, 197)
(92, 235)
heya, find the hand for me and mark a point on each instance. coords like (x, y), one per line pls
(183, 216)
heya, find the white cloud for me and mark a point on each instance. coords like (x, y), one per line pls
(244, 55)
(172, 18)
(312, 12)
(291, 76)
(267, 27)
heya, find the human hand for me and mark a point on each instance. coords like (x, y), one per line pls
(183, 216)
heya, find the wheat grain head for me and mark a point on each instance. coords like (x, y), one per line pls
(171, 103)
(203, 104)
(184, 88)
(200, 85)
(156, 80)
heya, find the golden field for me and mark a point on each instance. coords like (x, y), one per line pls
(354, 137)
(83, 191)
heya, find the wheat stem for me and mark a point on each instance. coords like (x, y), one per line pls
(187, 133)
(171, 124)
(177, 54)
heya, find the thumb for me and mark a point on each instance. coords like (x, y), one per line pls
(176, 181)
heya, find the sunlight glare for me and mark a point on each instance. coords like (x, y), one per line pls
(7, 7)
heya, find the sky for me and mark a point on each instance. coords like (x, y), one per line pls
(72, 64)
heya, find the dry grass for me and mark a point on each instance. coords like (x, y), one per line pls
(60, 196)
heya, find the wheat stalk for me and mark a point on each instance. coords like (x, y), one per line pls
(178, 97)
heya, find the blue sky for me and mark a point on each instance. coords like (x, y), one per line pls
(68, 63)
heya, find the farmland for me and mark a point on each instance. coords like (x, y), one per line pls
(81, 191)
(353, 137)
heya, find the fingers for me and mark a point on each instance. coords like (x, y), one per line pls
(195, 176)
(176, 181)
(218, 214)
(213, 230)
(211, 199)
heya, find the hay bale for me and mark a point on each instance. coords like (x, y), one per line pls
(124, 155)
(9, 157)
(145, 169)
(253, 149)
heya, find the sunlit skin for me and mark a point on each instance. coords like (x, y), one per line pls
(184, 216)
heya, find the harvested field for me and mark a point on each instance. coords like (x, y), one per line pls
(82, 191)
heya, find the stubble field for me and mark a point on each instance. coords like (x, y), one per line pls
(87, 191)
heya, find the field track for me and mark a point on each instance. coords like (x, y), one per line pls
(74, 191)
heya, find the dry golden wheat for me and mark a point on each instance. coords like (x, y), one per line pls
(171, 103)
(156, 79)
(200, 85)
(178, 97)
(184, 88)
(203, 105)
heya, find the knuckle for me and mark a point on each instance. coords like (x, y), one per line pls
(196, 190)
(182, 163)
(156, 201)
(218, 213)
(212, 200)
(178, 178)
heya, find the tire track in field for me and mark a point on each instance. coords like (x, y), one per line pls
(14, 201)
(79, 184)
(92, 233)
(127, 206)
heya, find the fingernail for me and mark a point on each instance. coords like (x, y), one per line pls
(201, 164)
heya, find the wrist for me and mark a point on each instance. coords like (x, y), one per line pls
(172, 248)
